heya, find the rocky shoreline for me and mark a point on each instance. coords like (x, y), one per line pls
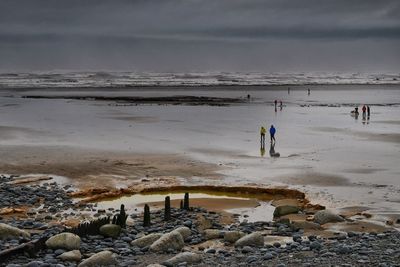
(194, 237)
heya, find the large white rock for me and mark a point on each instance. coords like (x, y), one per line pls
(188, 257)
(73, 255)
(253, 240)
(184, 231)
(233, 236)
(146, 240)
(327, 216)
(66, 241)
(103, 258)
(8, 231)
(172, 240)
(212, 234)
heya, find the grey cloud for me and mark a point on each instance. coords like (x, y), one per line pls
(146, 34)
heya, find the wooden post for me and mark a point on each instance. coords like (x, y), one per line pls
(146, 218)
(167, 209)
(186, 201)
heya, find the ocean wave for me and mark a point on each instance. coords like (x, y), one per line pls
(134, 79)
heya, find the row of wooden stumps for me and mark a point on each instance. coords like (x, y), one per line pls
(184, 204)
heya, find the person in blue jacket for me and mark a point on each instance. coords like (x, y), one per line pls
(272, 132)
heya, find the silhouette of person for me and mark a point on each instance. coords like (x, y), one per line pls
(272, 132)
(280, 104)
(262, 136)
(309, 91)
(368, 111)
(276, 102)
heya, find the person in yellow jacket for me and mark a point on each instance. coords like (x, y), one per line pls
(263, 131)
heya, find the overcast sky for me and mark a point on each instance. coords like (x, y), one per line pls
(200, 35)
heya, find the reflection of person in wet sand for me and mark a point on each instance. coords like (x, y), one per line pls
(262, 151)
(272, 152)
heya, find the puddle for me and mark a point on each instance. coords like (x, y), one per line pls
(264, 212)
(249, 209)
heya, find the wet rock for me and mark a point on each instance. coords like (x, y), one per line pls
(184, 231)
(8, 231)
(212, 234)
(74, 255)
(66, 241)
(306, 225)
(146, 240)
(103, 258)
(285, 210)
(233, 236)
(110, 230)
(188, 257)
(172, 240)
(327, 216)
(254, 239)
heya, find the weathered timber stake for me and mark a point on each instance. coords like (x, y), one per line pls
(186, 202)
(146, 218)
(167, 209)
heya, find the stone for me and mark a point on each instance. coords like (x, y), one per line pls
(306, 225)
(184, 231)
(110, 230)
(73, 255)
(203, 223)
(8, 231)
(247, 249)
(188, 257)
(212, 234)
(103, 258)
(327, 216)
(233, 236)
(172, 240)
(254, 239)
(66, 241)
(315, 245)
(285, 210)
(155, 265)
(146, 240)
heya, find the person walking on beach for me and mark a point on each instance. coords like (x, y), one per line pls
(262, 134)
(364, 109)
(309, 91)
(272, 132)
(276, 102)
(368, 111)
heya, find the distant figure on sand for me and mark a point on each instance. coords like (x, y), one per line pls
(272, 132)
(364, 109)
(355, 113)
(248, 97)
(280, 105)
(276, 102)
(368, 111)
(262, 134)
(309, 91)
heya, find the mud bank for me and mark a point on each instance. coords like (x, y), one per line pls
(97, 194)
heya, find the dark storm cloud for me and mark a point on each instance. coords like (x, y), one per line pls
(160, 34)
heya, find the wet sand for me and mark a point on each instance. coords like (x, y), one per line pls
(337, 160)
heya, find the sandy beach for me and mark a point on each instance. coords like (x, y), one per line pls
(337, 160)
